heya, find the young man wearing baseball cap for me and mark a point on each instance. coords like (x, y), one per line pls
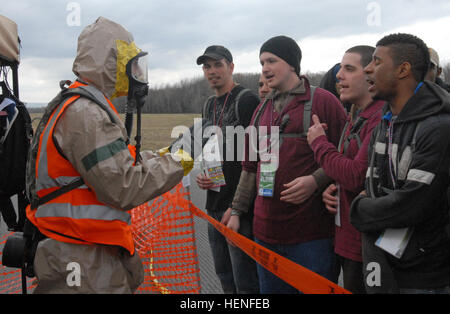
(231, 105)
(292, 221)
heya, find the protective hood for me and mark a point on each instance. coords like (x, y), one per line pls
(104, 49)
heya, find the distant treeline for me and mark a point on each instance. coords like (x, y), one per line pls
(189, 95)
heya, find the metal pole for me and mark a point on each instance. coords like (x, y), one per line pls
(24, 281)
(15, 69)
(197, 266)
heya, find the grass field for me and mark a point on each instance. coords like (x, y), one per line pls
(156, 128)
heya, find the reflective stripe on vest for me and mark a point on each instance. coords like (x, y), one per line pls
(76, 216)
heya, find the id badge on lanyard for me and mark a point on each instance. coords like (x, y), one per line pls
(268, 162)
(267, 173)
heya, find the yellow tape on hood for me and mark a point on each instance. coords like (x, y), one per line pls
(125, 52)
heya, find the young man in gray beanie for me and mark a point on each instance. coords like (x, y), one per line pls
(291, 219)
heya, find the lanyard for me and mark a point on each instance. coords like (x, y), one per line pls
(390, 132)
(223, 109)
(277, 122)
(418, 86)
(280, 116)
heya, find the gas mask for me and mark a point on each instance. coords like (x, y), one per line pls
(137, 72)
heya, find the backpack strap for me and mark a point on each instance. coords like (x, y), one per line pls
(205, 105)
(38, 201)
(259, 112)
(307, 109)
(92, 94)
(354, 134)
(236, 102)
(97, 97)
(307, 112)
(341, 140)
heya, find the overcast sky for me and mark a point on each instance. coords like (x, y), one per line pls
(176, 32)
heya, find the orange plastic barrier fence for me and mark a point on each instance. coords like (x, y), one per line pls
(164, 234)
(165, 240)
(163, 230)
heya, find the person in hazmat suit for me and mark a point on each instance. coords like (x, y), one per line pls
(89, 246)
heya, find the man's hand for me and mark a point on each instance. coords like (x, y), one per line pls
(226, 217)
(204, 182)
(232, 222)
(299, 190)
(330, 200)
(316, 130)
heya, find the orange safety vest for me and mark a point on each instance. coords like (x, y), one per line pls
(76, 216)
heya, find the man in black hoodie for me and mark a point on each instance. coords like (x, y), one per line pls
(404, 215)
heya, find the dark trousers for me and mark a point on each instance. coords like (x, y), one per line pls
(8, 212)
(353, 274)
(235, 269)
(317, 255)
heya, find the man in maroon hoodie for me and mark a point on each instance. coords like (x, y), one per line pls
(347, 164)
(288, 217)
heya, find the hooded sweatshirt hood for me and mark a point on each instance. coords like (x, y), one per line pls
(429, 100)
(104, 49)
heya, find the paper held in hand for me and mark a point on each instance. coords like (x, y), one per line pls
(212, 163)
(394, 241)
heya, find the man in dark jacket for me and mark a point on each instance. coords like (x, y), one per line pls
(405, 214)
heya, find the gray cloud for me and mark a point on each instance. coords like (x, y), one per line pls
(176, 31)
(183, 25)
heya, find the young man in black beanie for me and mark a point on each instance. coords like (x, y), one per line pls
(292, 221)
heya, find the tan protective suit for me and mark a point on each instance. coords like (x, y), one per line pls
(104, 48)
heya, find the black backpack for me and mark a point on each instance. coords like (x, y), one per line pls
(15, 139)
(20, 248)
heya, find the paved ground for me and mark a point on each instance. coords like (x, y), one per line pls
(209, 281)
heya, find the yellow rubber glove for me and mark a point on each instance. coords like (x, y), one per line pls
(185, 159)
(162, 151)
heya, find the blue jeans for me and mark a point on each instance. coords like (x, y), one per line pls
(318, 256)
(235, 269)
